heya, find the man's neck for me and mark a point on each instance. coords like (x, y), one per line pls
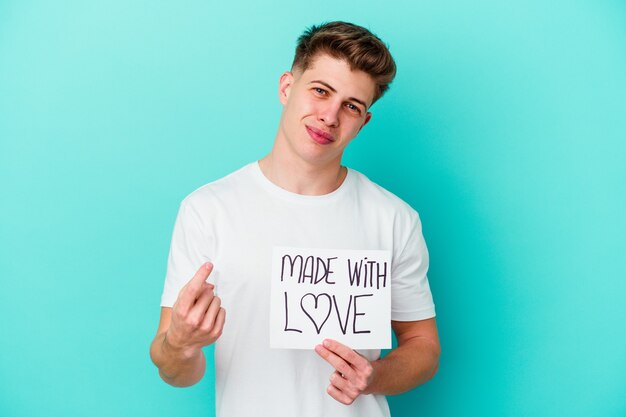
(300, 177)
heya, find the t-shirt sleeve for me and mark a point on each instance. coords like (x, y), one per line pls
(411, 298)
(186, 253)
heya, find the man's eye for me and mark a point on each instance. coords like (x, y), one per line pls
(353, 108)
(320, 90)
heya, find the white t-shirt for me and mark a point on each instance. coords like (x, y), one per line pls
(235, 222)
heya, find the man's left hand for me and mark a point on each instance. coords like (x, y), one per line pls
(353, 372)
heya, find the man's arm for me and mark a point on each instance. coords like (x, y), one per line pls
(176, 367)
(195, 320)
(412, 363)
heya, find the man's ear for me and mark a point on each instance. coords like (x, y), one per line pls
(284, 86)
(368, 117)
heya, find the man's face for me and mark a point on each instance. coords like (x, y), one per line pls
(324, 108)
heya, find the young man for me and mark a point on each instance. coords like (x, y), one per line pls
(298, 195)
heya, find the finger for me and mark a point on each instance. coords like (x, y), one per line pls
(357, 361)
(337, 362)
(218, 326)
(198, 310)
(211, 313)
(338, 395)
(344, 385)
(201, 274)
(190, 292)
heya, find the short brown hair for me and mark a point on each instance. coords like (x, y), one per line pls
(359, 47)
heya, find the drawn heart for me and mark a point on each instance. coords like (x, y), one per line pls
(316, 310)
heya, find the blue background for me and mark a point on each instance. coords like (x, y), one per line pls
(505, 129)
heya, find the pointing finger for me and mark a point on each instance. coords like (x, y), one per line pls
(202, 273)
(195, 283)
(193, 289)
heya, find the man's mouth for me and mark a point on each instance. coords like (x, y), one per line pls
(319, 136)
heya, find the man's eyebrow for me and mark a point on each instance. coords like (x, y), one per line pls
(361, 102)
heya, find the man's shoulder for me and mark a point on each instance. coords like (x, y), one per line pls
(376, 194)
(385, 204)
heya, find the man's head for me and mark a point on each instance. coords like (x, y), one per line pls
(339, 71)
(357, 46)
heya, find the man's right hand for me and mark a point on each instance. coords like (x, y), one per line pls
(197, 315)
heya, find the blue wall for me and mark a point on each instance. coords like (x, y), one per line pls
(505, 129)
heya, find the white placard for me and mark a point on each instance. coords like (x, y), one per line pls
(329, 293)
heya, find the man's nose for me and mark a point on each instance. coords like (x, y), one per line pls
(329, 114)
